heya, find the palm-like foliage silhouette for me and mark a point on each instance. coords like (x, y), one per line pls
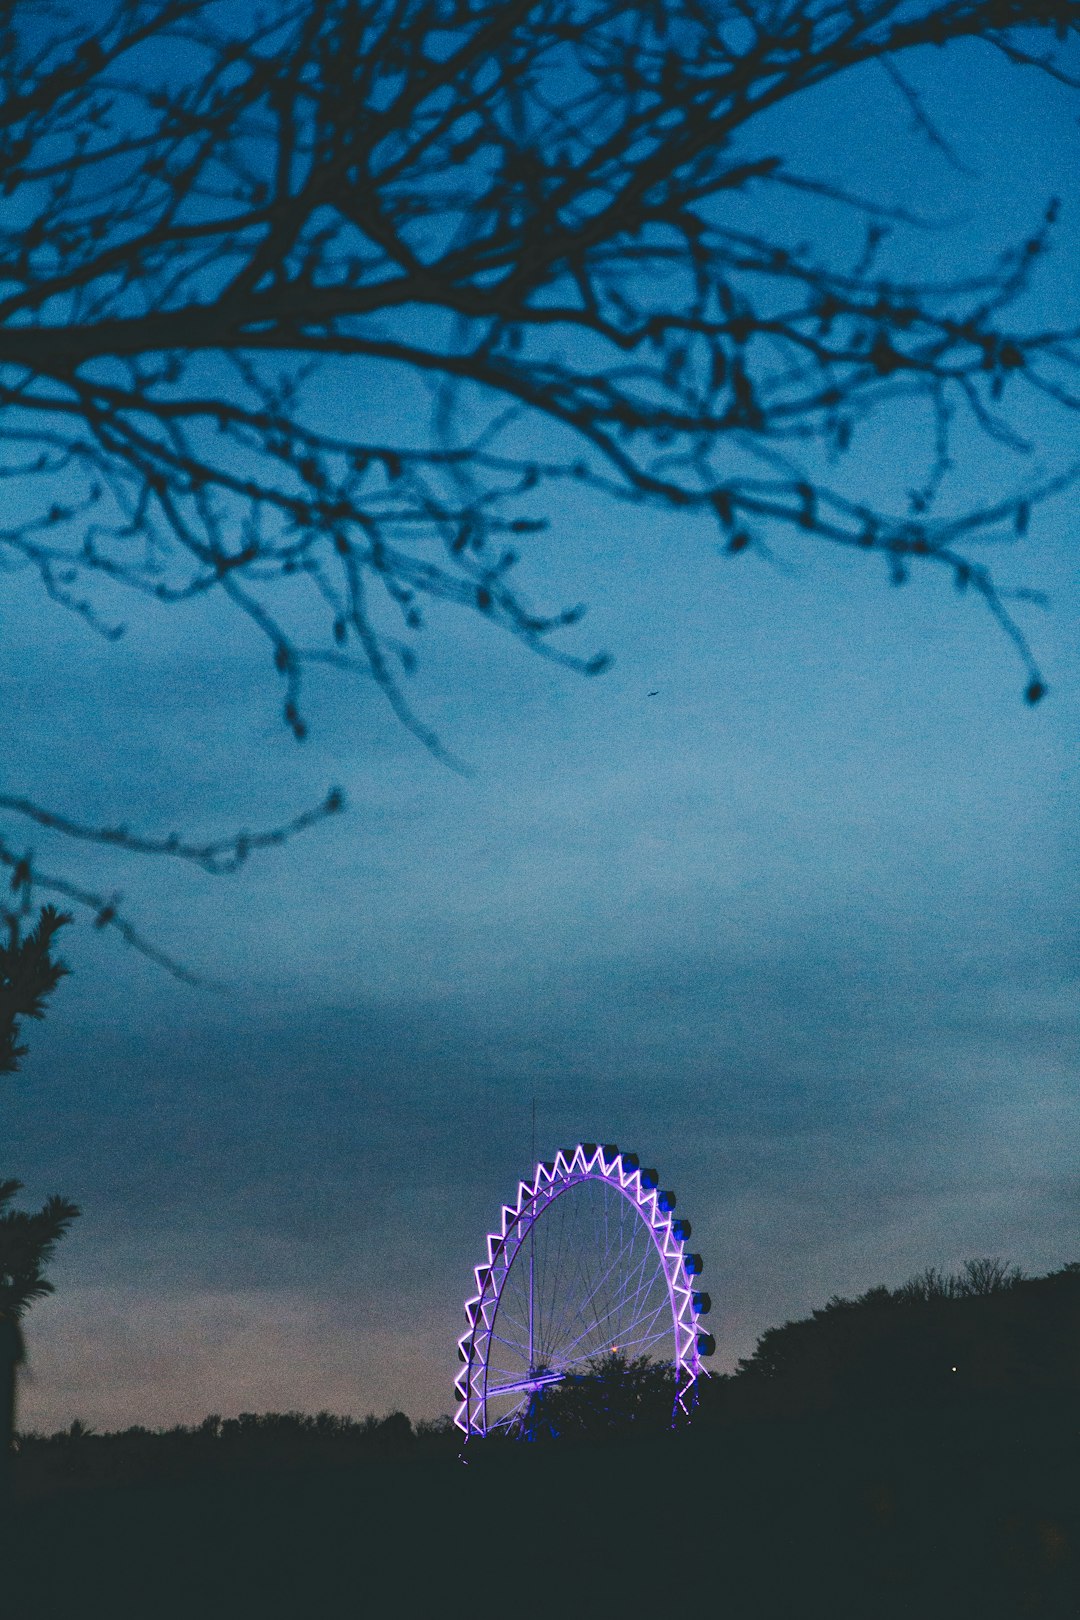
(29, 973)
(27, 1244)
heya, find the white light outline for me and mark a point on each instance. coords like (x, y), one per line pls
(549, 1182)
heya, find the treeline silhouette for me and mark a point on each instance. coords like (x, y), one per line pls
(77, 1456)
(844, 1470)
(937, 1338)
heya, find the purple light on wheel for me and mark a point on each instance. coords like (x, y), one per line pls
(633, 1287)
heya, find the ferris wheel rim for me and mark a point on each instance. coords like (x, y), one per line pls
(586, 1162)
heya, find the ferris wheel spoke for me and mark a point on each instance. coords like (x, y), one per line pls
(611, 1309)
(558, 1216)
(634, 1286)
(640, 1344)
(632, 1274)
(648, 1336)
(564, 1279)
(578, 1292)
(567, 1286)
(615, 1306)
(575, 1309)
(634, 1283)
(580, 1319)
(644, 1345)
(583, 1291)
(521, 1350)
(598, 1323)
(510, 1314)
(509, 1420)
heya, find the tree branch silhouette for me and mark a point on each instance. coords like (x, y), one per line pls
(509, 228)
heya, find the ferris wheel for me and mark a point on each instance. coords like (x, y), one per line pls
(588, 1261)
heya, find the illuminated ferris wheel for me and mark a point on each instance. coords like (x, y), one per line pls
(589, 1260)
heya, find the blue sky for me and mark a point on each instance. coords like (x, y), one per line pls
(800, 927)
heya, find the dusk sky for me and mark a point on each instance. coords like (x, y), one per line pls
(786, 901)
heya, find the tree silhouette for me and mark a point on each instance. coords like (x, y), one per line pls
(936, 1338)
(615, 1395)
(29, 973)
(512, 235)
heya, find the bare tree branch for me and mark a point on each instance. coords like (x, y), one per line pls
(220, 856)
(510, 226)
(26, 877)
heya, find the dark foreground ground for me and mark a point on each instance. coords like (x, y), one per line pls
(968, 1512)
